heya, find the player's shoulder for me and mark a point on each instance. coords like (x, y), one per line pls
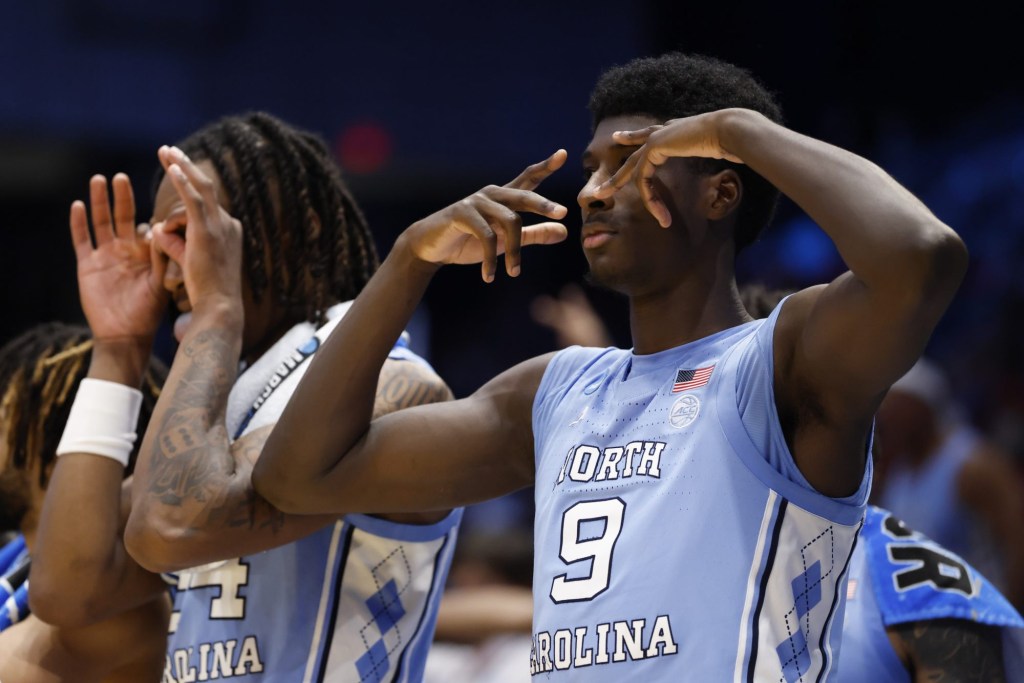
(916, 579)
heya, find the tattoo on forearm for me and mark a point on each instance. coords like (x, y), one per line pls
(953, 650)
(251, 511)
(406, 384)
(181, 465)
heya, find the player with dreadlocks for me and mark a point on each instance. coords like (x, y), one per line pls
(40, 372)
(254, 230)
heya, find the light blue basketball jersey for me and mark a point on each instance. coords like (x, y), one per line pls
(899, 576)
(675, 537)
(353, 602)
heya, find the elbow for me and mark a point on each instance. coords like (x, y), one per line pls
(155, 544)
(63, 604)
(950, 258)
(933, 269)
(278, 489)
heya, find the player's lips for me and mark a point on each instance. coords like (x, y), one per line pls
(595, 234)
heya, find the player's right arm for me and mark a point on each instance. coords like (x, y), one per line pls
(326, 455)
(80, 570)
(949, 649)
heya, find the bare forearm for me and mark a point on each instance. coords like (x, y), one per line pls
(81, 572)
(185, 463)
(885, 235)
(334, 403)
(950, 650)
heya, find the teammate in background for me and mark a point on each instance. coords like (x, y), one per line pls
(917, 612)
(483, 625)
(697, 496)
(949, 482)
(261, 237)
(119, 637)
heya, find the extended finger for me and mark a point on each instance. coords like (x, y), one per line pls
(80, 239)
(543, 233)
(524, 200)
(199, 180)
(534, 174)
(477, 225)
(124, 207)
(507, 224)
(99, 202)
(157, 257)
(621, 177)
(195, 208)
(635, 137)
(649, 195)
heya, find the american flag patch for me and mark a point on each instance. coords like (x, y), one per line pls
(851, 589)
(691, 379)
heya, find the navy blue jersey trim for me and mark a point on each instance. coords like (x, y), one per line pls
(326, 654)
(776, 532)
(426, 610)
(840, 586)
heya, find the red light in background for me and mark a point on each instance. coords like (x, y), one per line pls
(364, 147)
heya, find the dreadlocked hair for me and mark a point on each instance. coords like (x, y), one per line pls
(304, 236)
(676, 85)
(40, 371)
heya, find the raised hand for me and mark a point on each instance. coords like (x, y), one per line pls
(487, 223)
(211, 257)
(571, 317)
(693, 136)
(119, 279)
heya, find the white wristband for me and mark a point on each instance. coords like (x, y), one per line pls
(102, 420)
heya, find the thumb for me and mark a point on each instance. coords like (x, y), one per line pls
(170, 243)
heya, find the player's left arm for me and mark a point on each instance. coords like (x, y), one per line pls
(194, 502)
(949, 650)
(838, 347)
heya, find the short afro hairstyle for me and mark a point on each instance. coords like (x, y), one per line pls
(676, 85)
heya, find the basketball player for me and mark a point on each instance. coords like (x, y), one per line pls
(948, 481)
(116, 636)
(697, 496)
(915, 611)
(263, 596)
(918, 612)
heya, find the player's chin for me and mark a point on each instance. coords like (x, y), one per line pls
(605, 274)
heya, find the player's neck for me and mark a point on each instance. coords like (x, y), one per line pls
(692, 309)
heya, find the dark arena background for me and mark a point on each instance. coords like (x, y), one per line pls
(426, 102)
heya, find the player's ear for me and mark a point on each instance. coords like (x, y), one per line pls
(722, 193)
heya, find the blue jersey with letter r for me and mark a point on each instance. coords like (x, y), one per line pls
(675, 537)
(899, 576)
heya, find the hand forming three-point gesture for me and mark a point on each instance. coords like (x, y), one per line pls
(693, 136)
(119, 279)
(486, 224)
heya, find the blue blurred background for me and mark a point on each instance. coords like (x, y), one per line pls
(424, 103)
